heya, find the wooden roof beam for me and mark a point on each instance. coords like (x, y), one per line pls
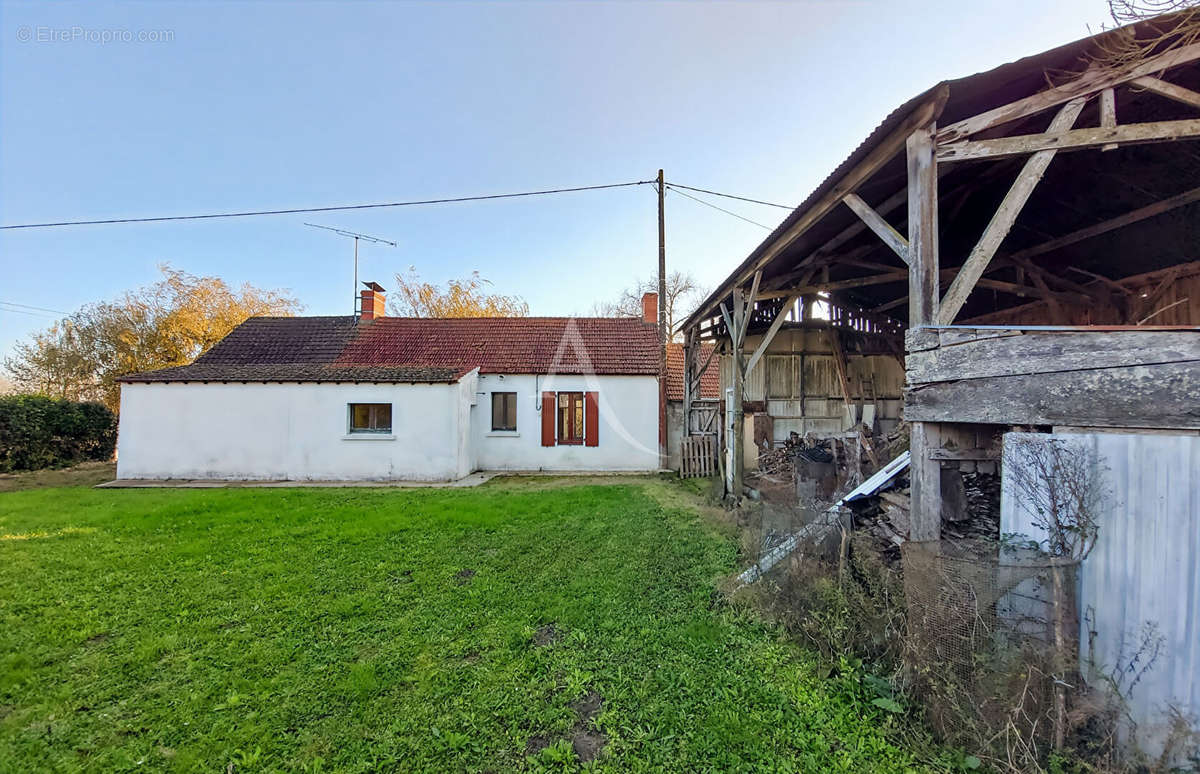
(776, 324)
(1071, 139)
(1103, 227)
(1168, 90)
(1002, 221)
(884, 230)
(1090, 82)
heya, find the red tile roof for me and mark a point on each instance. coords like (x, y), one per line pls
(405, 349)
(710, 380)
(510, 345)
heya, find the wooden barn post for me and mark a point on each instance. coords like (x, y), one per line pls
(923, 296)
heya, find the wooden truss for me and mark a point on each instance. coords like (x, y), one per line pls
(930, 150)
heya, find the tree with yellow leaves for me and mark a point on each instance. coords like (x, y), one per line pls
(460, 298)
(170, 322)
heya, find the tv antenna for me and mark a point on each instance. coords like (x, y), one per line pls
(356, 236)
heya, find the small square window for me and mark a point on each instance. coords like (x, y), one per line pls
(370, 417)
(504, 411)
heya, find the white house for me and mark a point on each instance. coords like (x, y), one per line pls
(376, 398)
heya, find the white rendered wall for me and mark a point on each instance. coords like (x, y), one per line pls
(291, 431)
(628, 424)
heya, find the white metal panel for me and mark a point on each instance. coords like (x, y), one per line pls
(1144, 569)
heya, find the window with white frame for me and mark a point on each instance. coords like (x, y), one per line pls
(370, 417)
(504, 412)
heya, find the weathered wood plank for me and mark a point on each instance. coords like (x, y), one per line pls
(917, 339)
(749, 309)
(1073, 139)
(1046, 352)
(1090, 82)
(1164, 396)
(882, 229)
(1108, 113)
(1168, 90)
(948, 337)
(923, 292)
(1002, 221)
(769, 336)
(964, 454)
(925, 483)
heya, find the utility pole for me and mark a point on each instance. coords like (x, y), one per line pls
(662, 325)
(356, 236)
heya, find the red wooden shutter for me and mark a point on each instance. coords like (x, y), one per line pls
(548, 408)
(591, 418)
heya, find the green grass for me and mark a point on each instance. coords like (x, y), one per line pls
(335, 629)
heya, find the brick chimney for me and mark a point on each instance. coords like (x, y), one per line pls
(373, 300)
(650, 308)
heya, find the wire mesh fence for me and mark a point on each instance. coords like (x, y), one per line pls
(982, 635)
(991, 643)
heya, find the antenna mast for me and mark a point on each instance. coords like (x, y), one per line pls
(356, 236)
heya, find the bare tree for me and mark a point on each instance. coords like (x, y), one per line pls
(1164, 25)
(681, 292)
(1061, 484)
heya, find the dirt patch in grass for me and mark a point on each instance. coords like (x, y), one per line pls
(587, 707)
(98, 639)
(536, 744)
(84, 474)
(588, 744)
(463, 577)
(546, 635)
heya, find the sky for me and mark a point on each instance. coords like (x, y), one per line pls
(112, 110)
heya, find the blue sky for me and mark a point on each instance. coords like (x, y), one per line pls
(256, 105)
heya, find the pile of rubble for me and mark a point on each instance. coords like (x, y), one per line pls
(782, 460)
(884, 516)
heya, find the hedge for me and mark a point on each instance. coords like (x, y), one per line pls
(39, 432)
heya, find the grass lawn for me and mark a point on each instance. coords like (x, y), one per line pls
(499, 628)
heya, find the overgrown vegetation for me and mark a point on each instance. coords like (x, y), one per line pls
(978, 638)
(38, 432)
(498, 628)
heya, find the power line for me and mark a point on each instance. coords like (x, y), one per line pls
(732, 196)
(336, 208)
(671, 187)
(31, 314)
(36, 308)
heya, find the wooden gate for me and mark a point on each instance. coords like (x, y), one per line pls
(697, 456)
(703, 417)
